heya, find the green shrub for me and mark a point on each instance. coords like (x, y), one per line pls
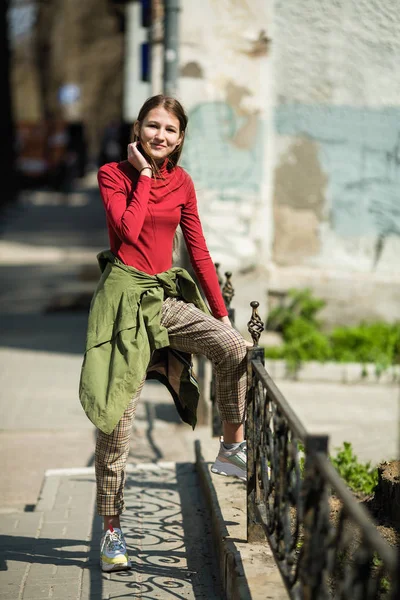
(377, 343)
(304, 338)
(304, 342)
(299, 303)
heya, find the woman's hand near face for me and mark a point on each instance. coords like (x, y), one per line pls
(137, 160)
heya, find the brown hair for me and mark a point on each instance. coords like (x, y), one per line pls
(173, 106)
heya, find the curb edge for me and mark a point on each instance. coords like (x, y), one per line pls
(232, 574)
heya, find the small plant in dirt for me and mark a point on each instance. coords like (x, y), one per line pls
(362, 480)
(385, 585)
(360, 477)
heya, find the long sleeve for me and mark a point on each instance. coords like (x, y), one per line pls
(125, 216)
(199, 255)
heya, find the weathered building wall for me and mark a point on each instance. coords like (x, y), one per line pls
(294, 148)
(225, 84)
(337, 152)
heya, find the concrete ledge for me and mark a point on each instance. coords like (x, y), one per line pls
(333, 372)
(248, 571)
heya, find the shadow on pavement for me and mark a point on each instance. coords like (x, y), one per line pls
(45, 551)
(46, 218)
(48, 333)
(48, 267)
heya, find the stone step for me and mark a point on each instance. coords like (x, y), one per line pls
(248, 570)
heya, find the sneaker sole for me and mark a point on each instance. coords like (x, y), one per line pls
(228, 470)
(107, 568)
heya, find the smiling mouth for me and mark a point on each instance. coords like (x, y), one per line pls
(157, 146)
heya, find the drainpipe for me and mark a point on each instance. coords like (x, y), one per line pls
(171, 47)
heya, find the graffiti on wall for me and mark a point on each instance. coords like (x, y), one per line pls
(223, 154)
(359, 151)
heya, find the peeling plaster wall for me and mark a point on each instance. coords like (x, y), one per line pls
(294, 147)
(342, 52)
(299, 207)
(355, 173)
(336, 93)
(337, 154)
(225, 84)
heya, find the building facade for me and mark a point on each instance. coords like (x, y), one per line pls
(293, 140)
(294, 147)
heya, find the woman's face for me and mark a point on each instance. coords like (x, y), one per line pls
(159, 133)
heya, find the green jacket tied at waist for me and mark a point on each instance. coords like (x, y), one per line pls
(125, 342)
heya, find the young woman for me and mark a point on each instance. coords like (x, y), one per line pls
(147, 317)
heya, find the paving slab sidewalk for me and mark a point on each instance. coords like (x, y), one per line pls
(53, 552)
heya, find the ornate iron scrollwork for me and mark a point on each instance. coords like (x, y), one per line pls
(220, 280)
(255, 326)
(227, 291)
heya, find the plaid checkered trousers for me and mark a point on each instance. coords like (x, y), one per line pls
(189, 330)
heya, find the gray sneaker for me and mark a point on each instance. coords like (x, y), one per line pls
(113, 553)
(231, 463)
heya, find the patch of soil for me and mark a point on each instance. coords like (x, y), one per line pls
(391, 470)
(383, 506)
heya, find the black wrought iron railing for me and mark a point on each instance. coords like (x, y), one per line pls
(325, 542)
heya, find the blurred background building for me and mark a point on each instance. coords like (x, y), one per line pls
(293, 140)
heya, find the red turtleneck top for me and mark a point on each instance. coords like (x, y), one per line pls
(142, 216)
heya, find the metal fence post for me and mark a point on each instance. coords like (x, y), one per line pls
(255, 532)
(227, 293)
(315, 520)
(202, 371)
